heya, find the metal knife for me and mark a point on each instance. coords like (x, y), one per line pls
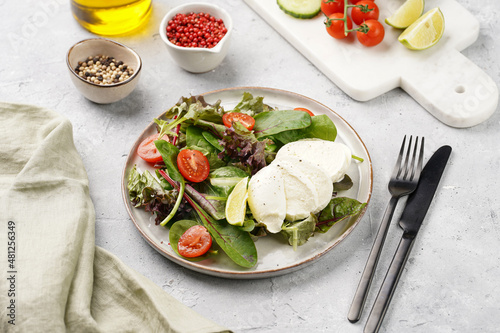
(416, 208)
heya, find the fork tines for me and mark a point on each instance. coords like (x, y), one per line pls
(407, 168)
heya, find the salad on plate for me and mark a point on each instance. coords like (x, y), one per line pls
(219, 179)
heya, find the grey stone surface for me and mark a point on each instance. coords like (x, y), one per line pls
(451, 282)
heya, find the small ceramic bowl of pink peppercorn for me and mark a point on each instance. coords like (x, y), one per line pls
(197, 35)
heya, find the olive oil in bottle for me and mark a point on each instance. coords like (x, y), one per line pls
(111, 17)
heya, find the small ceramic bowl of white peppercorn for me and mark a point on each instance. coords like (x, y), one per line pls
(103, 70)
(198, 58)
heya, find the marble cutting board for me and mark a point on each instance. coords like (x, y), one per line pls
(441, 79)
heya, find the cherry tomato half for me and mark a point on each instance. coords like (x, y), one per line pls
(335, 26)
(328, 7)
(193, 165)
(375, 33)
(358, 16)
(194, 242)
(305, 110)
(147, 149)
(244, 119)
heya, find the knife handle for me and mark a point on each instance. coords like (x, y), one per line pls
(366, 278)
(389, 285)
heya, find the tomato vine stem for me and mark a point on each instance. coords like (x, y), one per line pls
(362, 28)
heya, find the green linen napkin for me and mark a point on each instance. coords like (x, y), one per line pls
(53, 277)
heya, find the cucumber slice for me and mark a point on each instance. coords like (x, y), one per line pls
(302, 9)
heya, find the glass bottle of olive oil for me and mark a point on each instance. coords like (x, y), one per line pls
(111, 17)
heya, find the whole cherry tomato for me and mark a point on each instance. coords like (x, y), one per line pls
(368, 11)
(328, 7)
(335, 25)
(372, 33)
(356, 1)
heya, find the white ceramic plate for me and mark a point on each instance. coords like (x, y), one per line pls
(275, 256)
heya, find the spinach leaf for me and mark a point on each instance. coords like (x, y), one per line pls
(235, 242)
(272, 122)
(169, 154)
(337, 210)
(196, 140)
(322, 127)
(343, 185)
(297, 233)
(213, 140)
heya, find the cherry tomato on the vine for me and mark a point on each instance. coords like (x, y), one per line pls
(147, 149)
(335, 25)
(193, 165)
(373, 36)
(194, 242)
(358, 16)
(354, 2)
(305, 110)
(244, 119)
(328, 7)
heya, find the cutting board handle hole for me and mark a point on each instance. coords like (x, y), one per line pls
(460, 89)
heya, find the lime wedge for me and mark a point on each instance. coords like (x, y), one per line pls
(408, 13)
(424, 32)
(236, 204)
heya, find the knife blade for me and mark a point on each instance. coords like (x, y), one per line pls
(413, 215)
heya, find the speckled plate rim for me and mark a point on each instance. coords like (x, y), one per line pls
(344, 228)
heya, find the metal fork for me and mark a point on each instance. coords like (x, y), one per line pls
(403, 181)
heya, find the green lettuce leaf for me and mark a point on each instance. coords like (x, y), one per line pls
(191, 110)
(137, 182)
(251, 105)
(151, 194)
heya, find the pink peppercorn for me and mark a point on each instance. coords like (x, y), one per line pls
(195, 30)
